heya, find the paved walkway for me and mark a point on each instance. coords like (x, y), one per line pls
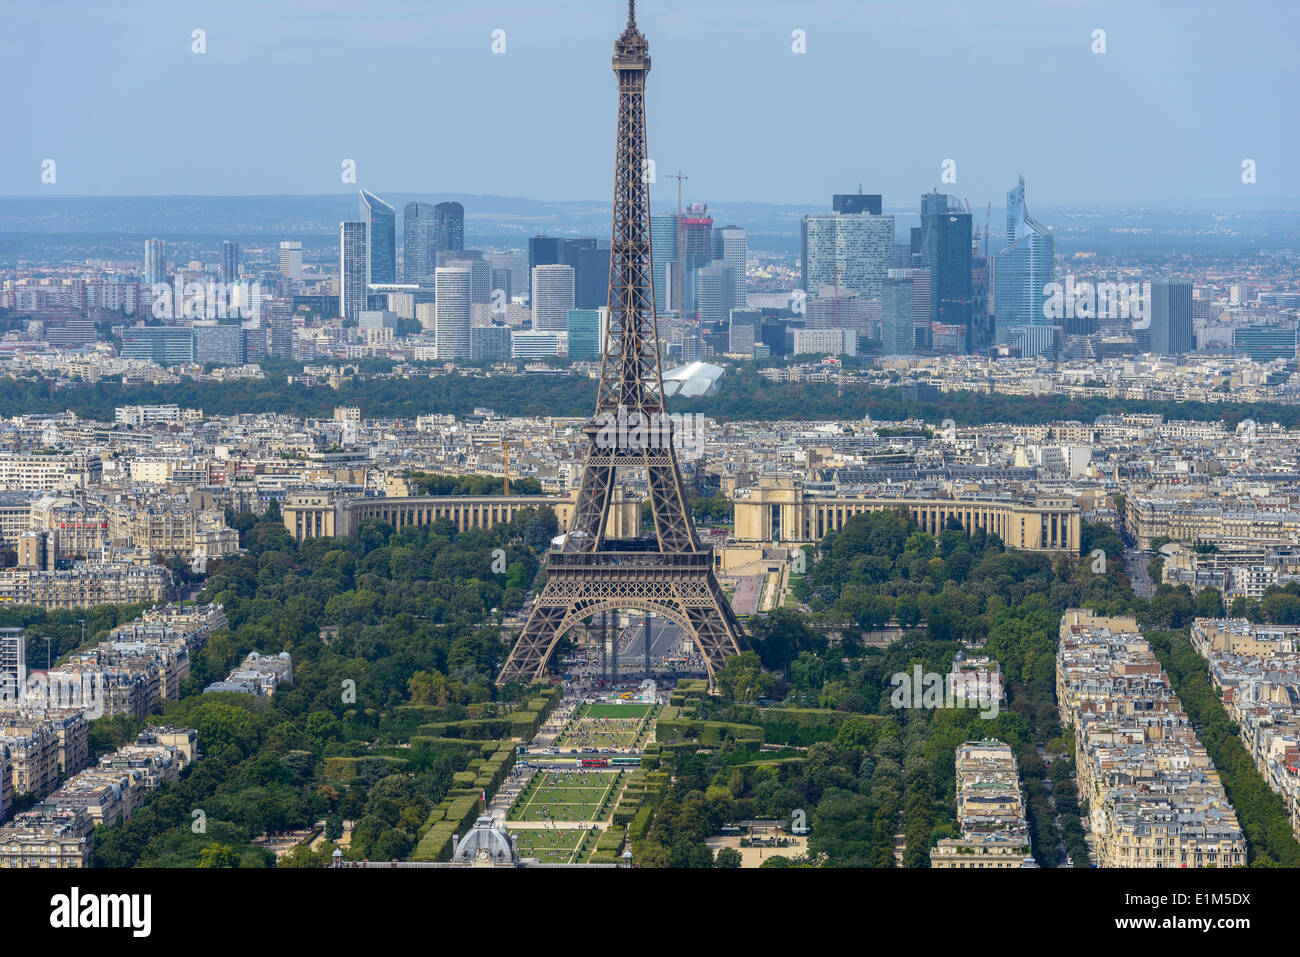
(744, 600)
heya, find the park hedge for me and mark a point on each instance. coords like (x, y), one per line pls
(709, 733)
(640, 825)
(609, 846)
(435, 845)
(345, 768)
(804, 726)
(476, 729)
(471, 748)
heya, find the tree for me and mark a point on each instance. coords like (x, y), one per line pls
(322, 726)
(727, 857)
(218, 855)
(855, 734)
(1209, 604)
(648, 853)
(782, 635)
(838, 829)
(742, 680)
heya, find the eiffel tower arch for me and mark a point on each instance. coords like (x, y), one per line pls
(671, 574)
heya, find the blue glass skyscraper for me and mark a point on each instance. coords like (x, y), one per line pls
(381, 238)
(426, 231)
(946, 244)
(1024, 266)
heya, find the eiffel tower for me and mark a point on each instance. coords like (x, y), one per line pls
(672, 574)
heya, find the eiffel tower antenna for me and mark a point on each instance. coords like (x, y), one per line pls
(670, 575)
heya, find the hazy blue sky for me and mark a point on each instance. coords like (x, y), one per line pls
(887, 90)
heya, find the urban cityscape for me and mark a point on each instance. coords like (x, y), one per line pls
(360, 528)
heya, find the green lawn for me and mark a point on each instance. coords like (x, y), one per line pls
(566, 796)
(605, 726)
(555, 847)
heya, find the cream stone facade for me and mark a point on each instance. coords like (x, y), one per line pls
(785, 512)
(324, 515)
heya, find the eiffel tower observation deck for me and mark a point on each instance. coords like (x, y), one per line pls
(671, 574)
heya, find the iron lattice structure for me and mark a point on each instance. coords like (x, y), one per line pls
(671, 575)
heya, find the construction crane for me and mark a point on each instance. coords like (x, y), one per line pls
(677, 299)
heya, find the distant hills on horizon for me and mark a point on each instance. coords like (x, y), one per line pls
(510, 221)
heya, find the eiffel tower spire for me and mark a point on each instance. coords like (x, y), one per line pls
(671, 575)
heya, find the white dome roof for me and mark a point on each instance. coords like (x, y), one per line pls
(485, 844)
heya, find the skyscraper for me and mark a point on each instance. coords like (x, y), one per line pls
(696, 241)
(897, 326)
(516, 264)
(480, 271)
(255, 341)
(426, 231)
(452, 312)
(544, 251)
(1170, 330)
(589, 258)
(663, 254)
(715, 286)
(1023, 268)
(946, 232)
(280, 317)
(590, 264)
(552, 298)
(352, 268)
(13, 664)
(845, 310)
(981, 334)
(291, 259)
(731, 245)
(451, 225)
(155, 261)
(229, 261)
(380, 221)
(586, 333)
(743, 330)
(419, 241)
(853, 252)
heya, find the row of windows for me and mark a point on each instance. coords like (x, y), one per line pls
(1054, 531)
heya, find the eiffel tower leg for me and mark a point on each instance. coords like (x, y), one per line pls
(529, 657)
(716, 631)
